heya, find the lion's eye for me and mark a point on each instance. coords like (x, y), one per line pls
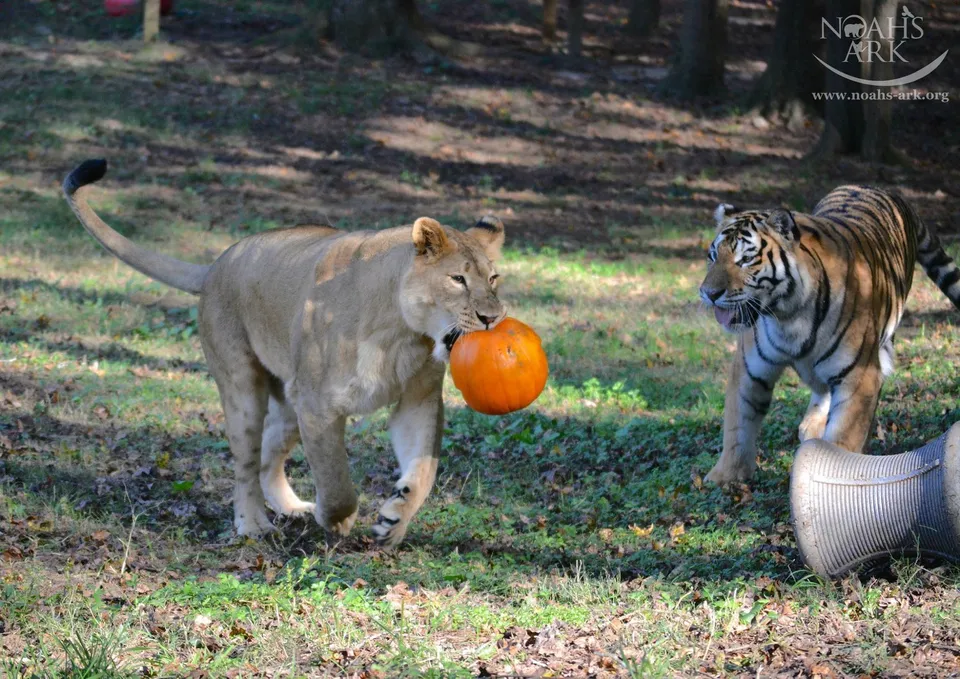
(493, 278)
(459, 279)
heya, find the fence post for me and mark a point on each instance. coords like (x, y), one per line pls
(151, 19)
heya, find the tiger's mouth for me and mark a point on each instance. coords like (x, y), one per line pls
(735, 319)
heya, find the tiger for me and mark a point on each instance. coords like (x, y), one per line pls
(822, 293)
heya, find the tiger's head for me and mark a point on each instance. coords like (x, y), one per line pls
(751, 267)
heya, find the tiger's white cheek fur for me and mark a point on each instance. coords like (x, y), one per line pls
(887, 357)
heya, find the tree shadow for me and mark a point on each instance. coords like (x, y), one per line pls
(615, 190)
(187, 494)
(78, 347)
(913, 320)
(541, 511)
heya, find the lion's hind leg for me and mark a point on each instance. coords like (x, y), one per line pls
(244, 393)
(280, 434)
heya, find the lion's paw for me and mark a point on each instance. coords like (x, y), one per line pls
(391, 524)
(727, 474)
(297, 508)
(341, 527)
(389, 532)
(254, 524)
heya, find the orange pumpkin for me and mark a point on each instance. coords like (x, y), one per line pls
(499, 370)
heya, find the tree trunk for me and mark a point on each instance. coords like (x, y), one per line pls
(843, 118)
(375, 27)
(549, 20)
(785, 89)
(858, 126)
(644, 17)
(876, 146)
(575, 27)
(380, 27)
(698, 68)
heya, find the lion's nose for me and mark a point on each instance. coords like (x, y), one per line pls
(486, 320)
(713, 294)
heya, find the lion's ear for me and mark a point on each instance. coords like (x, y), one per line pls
(429, 238)
(490, 234)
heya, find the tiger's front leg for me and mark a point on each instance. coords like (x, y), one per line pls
(749, 391)
(416, 430)
(814, 422)
(853, 404)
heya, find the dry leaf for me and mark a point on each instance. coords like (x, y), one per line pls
(641, 532)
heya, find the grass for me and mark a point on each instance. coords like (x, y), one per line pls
(584, 516)
(575, 537)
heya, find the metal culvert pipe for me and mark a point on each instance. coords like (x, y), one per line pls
(851, 511)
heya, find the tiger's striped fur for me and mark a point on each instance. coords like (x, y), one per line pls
(822, 293)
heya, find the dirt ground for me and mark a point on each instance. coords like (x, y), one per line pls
(239, 121)
(573, 147)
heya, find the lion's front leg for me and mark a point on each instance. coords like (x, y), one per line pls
(322, 436)
(749, 391)
(416, 428)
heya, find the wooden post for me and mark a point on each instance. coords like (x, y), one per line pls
(151, 20)
(549, 20)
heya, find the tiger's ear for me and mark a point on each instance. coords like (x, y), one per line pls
(781, 221)
(490, 233)
(429, 238)
(722, 211)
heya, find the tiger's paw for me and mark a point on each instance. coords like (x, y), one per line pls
(812, 428)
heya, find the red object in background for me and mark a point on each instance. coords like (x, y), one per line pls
(119, 8)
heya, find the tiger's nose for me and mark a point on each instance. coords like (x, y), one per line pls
(486, 320)
(713, 294)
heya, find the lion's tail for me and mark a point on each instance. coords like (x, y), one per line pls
(182, 275)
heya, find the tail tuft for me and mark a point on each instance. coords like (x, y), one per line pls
(88, 172)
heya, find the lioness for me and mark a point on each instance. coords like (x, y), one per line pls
(304, 326)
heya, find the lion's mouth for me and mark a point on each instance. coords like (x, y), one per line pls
(451, 338)
(735, 318)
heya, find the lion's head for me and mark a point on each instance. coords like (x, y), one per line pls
(451, 289)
